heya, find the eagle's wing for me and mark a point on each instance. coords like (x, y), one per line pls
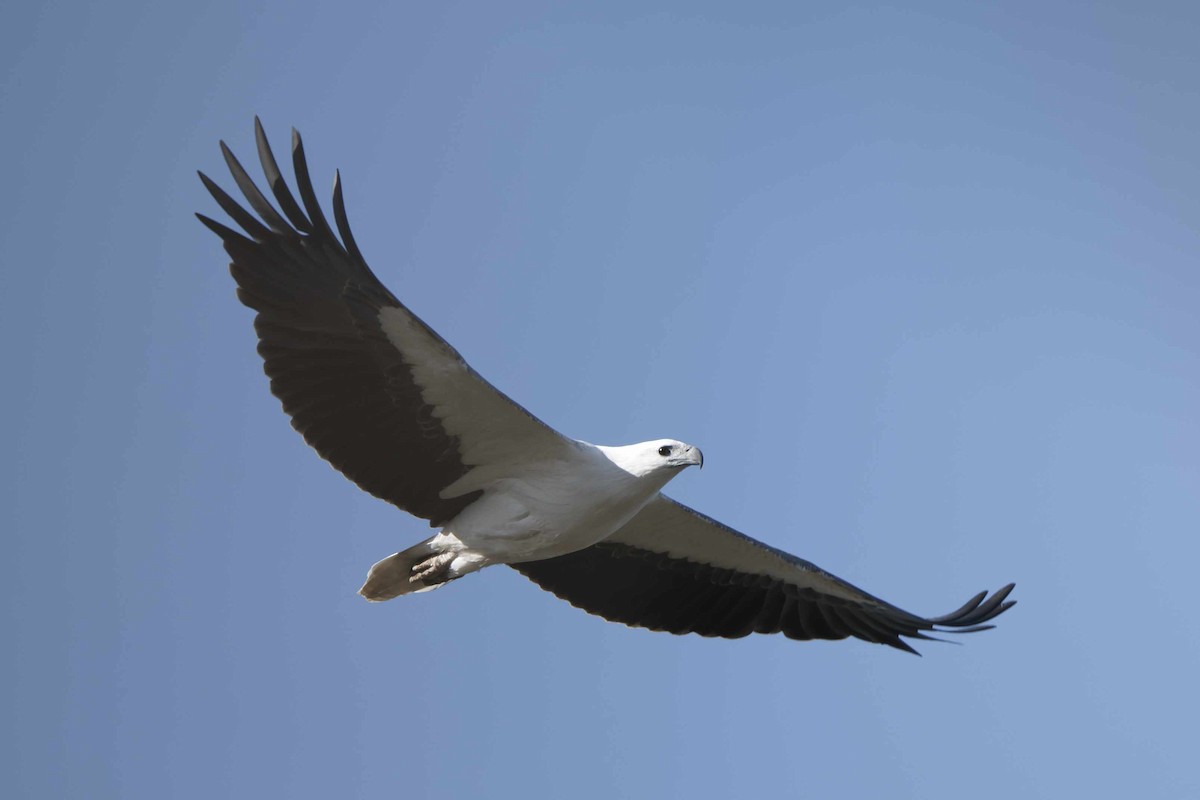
(673, 569)
(373, 389)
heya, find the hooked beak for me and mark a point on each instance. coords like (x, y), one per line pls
(694, 456)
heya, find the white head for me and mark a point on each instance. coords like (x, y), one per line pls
(663, 458)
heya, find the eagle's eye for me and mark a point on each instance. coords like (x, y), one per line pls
(665, 450)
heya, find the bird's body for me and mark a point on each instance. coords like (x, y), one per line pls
(530, 511)
(387, 401)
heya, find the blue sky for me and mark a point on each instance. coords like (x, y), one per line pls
(920, 279)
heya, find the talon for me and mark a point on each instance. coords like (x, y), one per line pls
(433, 568)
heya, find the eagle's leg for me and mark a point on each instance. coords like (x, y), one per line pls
(435, 569)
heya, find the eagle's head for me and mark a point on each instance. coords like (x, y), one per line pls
(662, 457)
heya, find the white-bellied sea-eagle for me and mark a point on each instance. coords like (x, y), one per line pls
(385, 400)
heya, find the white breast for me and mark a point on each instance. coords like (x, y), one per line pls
(550, 509)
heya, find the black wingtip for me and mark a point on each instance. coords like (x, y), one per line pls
(294, 219)
(253, 196)
(230, 206)
(978, 610)
(343, 224)
(228, 235)
(304, 185)
(279, 187)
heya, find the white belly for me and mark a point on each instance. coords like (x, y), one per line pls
(531, 519)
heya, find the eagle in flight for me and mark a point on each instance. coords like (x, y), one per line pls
(388, 402)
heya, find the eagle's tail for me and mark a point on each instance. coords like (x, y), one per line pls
(432, 563)
(420, 568)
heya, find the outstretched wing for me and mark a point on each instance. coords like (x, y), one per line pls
(371, 387)
(673, 569)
